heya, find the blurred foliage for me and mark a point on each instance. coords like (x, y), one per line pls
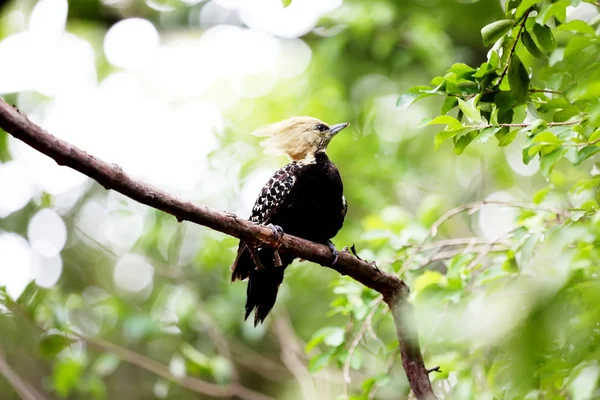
(506, 292)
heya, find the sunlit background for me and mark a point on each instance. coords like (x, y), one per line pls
(170, 90)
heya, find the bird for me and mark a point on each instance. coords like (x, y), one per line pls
(304, 198)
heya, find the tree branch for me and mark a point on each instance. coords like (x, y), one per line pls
(393, 289)
(20, 386)
(196, 385)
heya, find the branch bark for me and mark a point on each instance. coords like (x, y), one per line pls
(111, 176)
(20, 386)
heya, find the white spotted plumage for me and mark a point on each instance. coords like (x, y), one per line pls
(274, 193)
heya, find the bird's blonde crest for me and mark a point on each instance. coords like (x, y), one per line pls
(295, 137)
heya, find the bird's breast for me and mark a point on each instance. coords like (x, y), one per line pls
(314, 211)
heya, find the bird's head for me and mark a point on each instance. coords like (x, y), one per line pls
(300, 138)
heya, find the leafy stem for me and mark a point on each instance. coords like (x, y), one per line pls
(524, 125)
(470, 96)
(514, 46)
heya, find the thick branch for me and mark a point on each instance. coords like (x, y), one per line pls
(111, 176)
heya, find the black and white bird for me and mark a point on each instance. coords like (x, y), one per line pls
(304, 198)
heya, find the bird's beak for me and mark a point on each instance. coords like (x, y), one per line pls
(337, 127)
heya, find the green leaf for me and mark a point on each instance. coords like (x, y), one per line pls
(448, 120)
(494, 31)
(595, 136)
(511, 5)
(106, 364)
(538, 125)
(449, 104)
(357, 360)
(428, 278)
(541, 194)
(557, 10)
(546, 137)
(548, 161)
(577, 26)
(586, 153)
(66, 375)
(510, 265)
(462, 142)
(411, 96)
(486, 134)
(531, 46)
(330, 335)
(318, 362)
(286, 3)
(51, 345)
(335, 337)
(195, 356)
(523, 7)
(461, 70)
(544, 37)
(442, 136)
(518, 78)
(507, 139)
(469, 109)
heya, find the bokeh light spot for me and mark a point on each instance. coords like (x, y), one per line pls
(47, 233)
(17, 187)
(16, 263)
(133, 273)
(496, 221)
(47, 270)
(131, 43)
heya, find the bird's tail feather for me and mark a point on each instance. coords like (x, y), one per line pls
(243, 264)
(263, 283)
(263, 286)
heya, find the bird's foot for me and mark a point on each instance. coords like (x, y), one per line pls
(334, 252)
(277, 233)
(277, 259)
(254, 255)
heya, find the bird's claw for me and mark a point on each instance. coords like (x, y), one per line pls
(254, 255)
(334, 252)
(277, 233)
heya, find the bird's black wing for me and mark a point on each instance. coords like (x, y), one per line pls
(271, 198)
(273, 195)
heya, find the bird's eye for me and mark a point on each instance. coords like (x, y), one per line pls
(321, 128)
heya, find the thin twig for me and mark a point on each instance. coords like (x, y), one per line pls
(218, 339)
(488, 248)
(514, 46)
(523, 125)
(258, 363)
(597, 4)
(545, 91)
(473, 207)
(436, 369)
(191, 383)
(444, 243)
(289, 355)
(388, 368)
(19, 385)
(445, 255)
(470, 96)
(355, 342)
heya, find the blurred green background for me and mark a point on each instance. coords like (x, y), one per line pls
(171, 90)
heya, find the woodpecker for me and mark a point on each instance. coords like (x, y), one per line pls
(304, 198)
